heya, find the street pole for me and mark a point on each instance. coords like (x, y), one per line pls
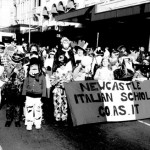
(97, 40)
(30, 23)
(149, 44)
(29, 33)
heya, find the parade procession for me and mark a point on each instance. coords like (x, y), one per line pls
(66, 75)
(74, 74)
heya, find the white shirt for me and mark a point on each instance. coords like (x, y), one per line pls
(104, 74)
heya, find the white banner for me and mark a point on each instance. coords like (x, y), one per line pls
(105, 101)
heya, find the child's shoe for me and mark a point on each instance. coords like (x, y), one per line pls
(17, 124)
(8, 123)
(29, 127)
(38, 126)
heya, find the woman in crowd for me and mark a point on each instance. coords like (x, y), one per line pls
(105, 71)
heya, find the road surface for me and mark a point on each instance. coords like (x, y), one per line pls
(133, 135)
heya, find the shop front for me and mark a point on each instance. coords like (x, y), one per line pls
(117, 22)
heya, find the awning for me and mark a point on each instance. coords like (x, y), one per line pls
(60, 7)
(54, 9)
(45, 12)
(70, 6)
(74, 14)
(143, 10)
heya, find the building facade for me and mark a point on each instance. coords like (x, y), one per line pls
(103, 16)
(6, 13)
(32, 11)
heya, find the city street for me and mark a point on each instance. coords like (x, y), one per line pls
(85, 62)
(132, 135)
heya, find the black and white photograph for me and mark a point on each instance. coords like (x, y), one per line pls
(74, 74)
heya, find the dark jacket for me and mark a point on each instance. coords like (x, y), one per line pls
(33, 87)
(61, 52)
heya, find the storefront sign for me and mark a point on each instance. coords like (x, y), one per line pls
(107, 5)
(104, 101)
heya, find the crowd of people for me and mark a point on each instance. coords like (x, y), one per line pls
(31, 75)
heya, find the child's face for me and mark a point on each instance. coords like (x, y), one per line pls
(34, 69)
(80, 52)
(33, 49)
(105, 62)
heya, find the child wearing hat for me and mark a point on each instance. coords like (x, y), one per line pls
(34, 89)
(65, 49)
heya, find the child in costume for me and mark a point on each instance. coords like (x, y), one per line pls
(34, 89)
(66, 50)
(13, 88)
(62, 74)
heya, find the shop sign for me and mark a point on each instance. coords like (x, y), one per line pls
(107, 5)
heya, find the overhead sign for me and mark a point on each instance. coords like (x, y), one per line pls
(107, 5)
(104, 101)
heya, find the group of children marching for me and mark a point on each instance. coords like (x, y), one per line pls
(31, 77)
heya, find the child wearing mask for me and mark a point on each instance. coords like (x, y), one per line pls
(34, 91)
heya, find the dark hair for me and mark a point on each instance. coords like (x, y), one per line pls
(109, 65)
(34, 45)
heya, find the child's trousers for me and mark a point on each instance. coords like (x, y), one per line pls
(13, 112)
(33, 111)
